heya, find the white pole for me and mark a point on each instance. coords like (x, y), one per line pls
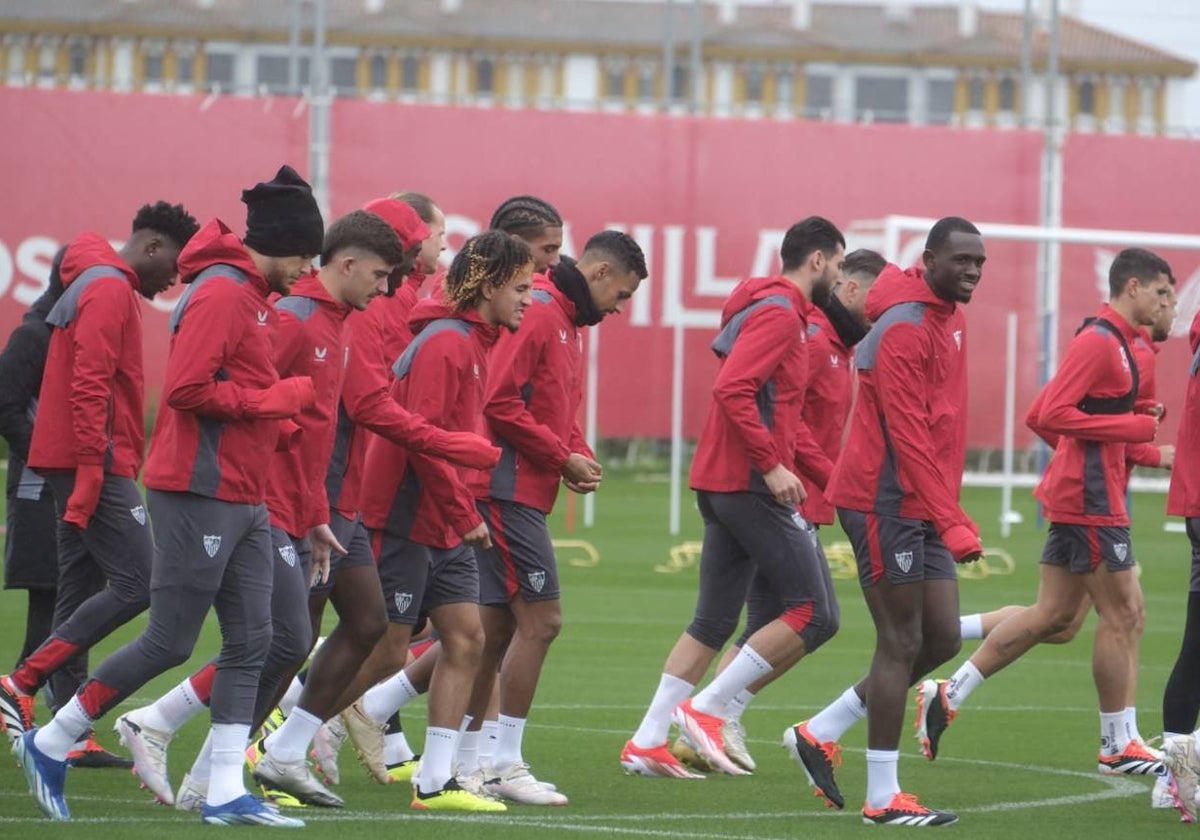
(891, 238)
(676, 422)
(1010, 413)
(589, 413)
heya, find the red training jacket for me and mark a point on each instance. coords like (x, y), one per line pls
(1183, 498)
(1144, 351)
(908, 433)
(533, 401)
(90, 409)
(826, 404)
(1084, 483)
(755, 423)
(210, 437)
(442, 376)
(310, 340)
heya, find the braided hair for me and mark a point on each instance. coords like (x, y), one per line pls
(525, 216)
(492, 258)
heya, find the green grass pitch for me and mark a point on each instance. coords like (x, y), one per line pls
(1018, 762)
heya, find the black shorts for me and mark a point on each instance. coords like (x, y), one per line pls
(352, 534)
(1193, 531)
(903, 550)
(521, 559)
(418, 579)
(1081, 548)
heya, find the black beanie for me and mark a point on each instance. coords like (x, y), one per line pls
(282, 217)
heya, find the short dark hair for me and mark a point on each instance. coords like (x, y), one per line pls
(1135, 262)
(491, 258)
(619, 248)
(939, 234)
(365, 230)
(419, 202)
(863, 262)
(812, 234)
(171, 220)
(525, 216)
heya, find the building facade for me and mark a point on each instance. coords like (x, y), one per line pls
(889, 61)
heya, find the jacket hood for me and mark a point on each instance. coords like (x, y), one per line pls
(216, 244)
(757, 288)
(895, 286)
(54, 289)
(432, 308)
(91, 249)
(310, 286)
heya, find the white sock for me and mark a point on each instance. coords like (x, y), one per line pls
(738, 705)
(58, 737)
(1129, 723)
(468, 751)
(1112, 732)
(971, 626)
(396, 749)
(508, 746)
(489, 737)
(175, 708)
(745, 668)
(965, 680)
(437, 759)
(387, 698)
(228, 754)
(291, 697)
(832, 722)
(201, 770)
(653, 730)
(882, 783)
(290, 742)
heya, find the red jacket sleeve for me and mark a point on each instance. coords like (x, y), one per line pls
(366, 396)
(755, 356)
(811, 460)
(1089, 365)
(514, 360)
(206, 337)
(900, 382)
(1143, 455)
(97, 338)
(434, 382)
(1031, 420)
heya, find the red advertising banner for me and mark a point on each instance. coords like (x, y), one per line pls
(708, 199)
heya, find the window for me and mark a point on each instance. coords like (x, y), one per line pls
(186, 66)
(1087, 98)
(410, 73)
(818, 95)
(1008, 94)
(785, 88)
(975, 94)
(78, 59)
(219, 72)
(271, 72)
(485, 76)
(754, 84)
(885, 97)
(941, 101)
(343, 76)
(152, 70)
(680, 75)
(614, 82)
(646, 83)
(378, 72)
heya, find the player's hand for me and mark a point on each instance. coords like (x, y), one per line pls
(324, 543)
(581, 471)
(963, 543)
(784, 486)
(1166, 456)
(582, 489)
(478, 537)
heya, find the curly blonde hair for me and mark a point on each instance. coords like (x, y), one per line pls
(489, 259)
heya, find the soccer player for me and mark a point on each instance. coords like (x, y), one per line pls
(535, 221)
(747, 493)
(896, 488)
(833, 331)
(1090, 410)
(88, 442)
(215, 433)
(421, 512)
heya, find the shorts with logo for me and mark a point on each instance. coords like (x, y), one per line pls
(417, 579)
(902, 550)
(521, 559)
(1081, 548)
(763, 605)
(352, 534)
